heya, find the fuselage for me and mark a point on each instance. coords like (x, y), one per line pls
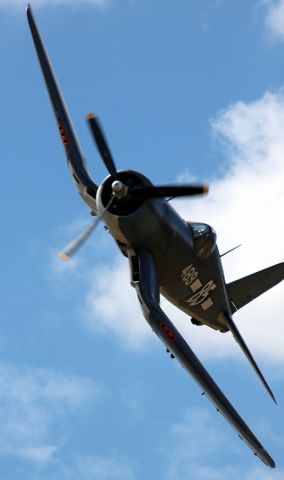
(186, 253)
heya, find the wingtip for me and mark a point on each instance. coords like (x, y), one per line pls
(268, 460)
(268, 389)
(29, 12)
(270, 392)
(274, 399)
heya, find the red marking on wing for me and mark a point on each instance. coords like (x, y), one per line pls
(63, 135)
(168, 331)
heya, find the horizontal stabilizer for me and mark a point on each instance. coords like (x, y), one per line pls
(246, 289)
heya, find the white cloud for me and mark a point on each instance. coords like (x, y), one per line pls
(244, 206)
(112, 305)
(32, 404)
(275, 18)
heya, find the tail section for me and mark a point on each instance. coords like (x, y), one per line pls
(246, 289)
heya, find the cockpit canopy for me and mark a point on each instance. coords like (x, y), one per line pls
(204, 239)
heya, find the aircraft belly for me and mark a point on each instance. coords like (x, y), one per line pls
(195, 287)
(213, 319)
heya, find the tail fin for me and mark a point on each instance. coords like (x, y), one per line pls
(246, 289)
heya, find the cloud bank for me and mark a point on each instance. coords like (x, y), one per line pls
(245, 206)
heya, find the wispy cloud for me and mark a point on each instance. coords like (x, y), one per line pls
(38, 408)
(244, 205)
(113, 467)
(194, 442)
(274, 18)
(33, 403)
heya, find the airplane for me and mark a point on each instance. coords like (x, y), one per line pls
(167, 255)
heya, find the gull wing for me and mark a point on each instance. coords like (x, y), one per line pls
(147, 289)
(192, 364)
(75, 159)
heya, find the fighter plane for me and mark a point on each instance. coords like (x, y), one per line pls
(167, 255)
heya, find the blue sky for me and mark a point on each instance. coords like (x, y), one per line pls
(185, 89)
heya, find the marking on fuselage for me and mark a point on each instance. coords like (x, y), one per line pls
(202, 295)
(189, 276)
(207, 304)
(196, 285)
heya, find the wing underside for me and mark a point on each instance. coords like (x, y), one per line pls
(148, 294)
(188, 359)
(76, 161)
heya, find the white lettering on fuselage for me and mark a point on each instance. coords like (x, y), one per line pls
(201, 293)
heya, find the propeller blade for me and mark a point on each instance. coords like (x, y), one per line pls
(72, 248)
(101, 143)
(168, 191)
(69, 251)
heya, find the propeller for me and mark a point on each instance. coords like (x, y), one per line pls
(119, 189)
(72, 247)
